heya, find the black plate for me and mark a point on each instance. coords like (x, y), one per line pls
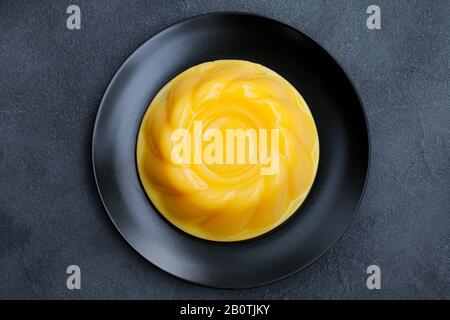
(344, 150)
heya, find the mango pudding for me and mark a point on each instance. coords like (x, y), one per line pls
(227, 150)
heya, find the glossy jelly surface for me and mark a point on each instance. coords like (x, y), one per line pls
(227, 150)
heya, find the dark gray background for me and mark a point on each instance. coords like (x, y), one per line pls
(51, 83)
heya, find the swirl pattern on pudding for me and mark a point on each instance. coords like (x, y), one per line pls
(227, 150)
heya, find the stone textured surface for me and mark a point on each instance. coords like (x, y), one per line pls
(51, 83)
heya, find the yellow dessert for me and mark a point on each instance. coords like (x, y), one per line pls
(227, 150)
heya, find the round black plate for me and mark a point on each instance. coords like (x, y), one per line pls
(344, 150)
